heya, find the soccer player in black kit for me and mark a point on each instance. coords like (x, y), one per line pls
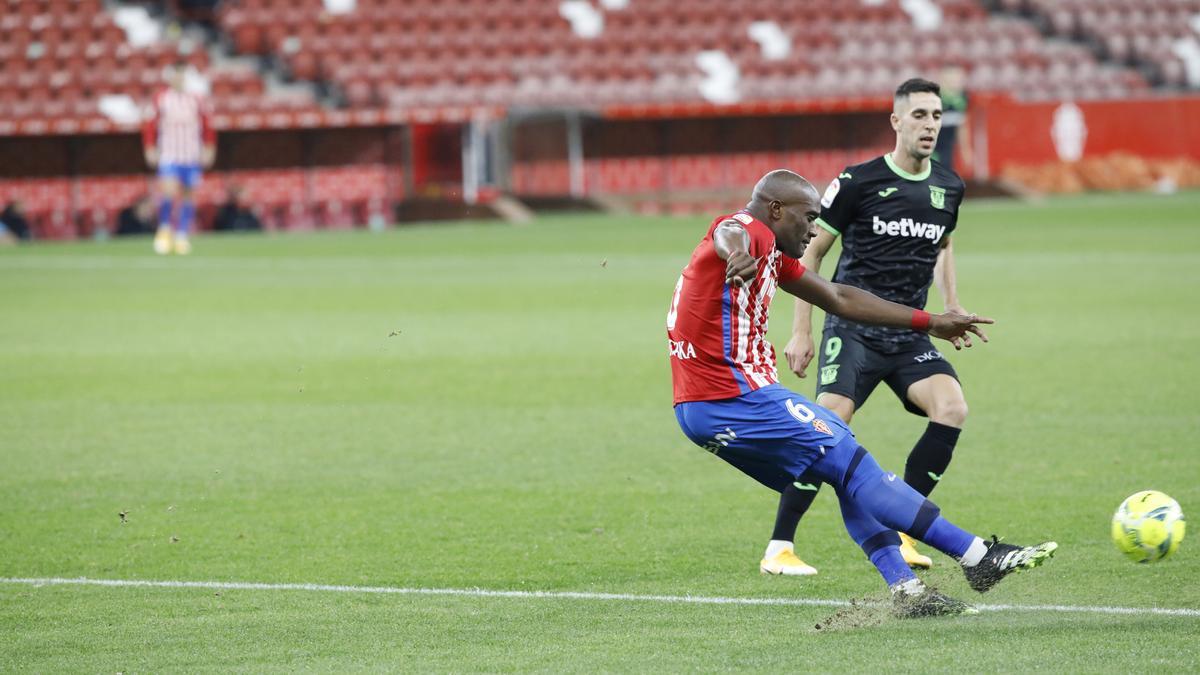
(896, 215)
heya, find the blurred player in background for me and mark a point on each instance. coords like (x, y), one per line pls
(179, 141)
(895, 215)
(728, 399)
(955, 132)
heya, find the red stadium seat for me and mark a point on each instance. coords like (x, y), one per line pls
(336, 214)
(298, 216)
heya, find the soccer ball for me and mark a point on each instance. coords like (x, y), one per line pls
(1148, 526)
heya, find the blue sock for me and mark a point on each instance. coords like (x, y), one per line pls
(896, 505)
(881, 544)
(948, 538)
(891, 565)
(875, 504)
(164, 212)
(187, 212)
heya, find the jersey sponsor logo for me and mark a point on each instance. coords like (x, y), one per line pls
(742, 218)
(820, 426)
(907, 227)
(720, 441)
(937, 197)
(829, 374)
(831, 192)
(888, 192)
(932, 355)
(681, 349)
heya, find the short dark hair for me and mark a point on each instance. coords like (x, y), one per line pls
(916, 86)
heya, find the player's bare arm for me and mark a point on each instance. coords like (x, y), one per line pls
(946, 280)
(208, 155)
(799, 351)
(732, 244)
(859, 305)
(945, 277)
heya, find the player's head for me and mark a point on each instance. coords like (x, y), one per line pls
(789, 205)
(177, 74)
(917, 117)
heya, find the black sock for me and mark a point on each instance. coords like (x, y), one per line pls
(793, 504)
(930, 457)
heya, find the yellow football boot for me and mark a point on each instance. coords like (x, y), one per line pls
(162, 240)
(182, 245)
(786, 563)
(912, 556)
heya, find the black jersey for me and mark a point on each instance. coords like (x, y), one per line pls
(892, 224)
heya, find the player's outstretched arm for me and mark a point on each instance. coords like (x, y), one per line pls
(945, 277)
(732, 243)
(864, 307)
(799, 351)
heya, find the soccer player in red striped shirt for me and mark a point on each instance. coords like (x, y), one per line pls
(179, 141)
(728, 399)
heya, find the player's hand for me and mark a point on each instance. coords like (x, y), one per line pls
(957, 328)
(207, 156)
(152, 158)
(799, 353)
(740, 269)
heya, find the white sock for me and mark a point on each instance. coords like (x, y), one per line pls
(776, 547)
(974, 553)
(912, 586)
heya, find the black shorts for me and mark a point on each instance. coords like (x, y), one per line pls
(850, 367)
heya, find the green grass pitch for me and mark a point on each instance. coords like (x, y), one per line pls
(479, 406)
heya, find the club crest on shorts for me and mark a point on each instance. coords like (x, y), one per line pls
(937, 197)
(820, 426)
(829, 374)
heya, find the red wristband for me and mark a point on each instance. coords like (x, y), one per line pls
(921, 319)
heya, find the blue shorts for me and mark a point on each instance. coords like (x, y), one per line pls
(188, 175)
(772, 434)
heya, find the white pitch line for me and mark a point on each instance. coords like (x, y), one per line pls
(569, 595)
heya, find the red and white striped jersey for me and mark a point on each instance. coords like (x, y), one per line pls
(179, 126)
(717, 333)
